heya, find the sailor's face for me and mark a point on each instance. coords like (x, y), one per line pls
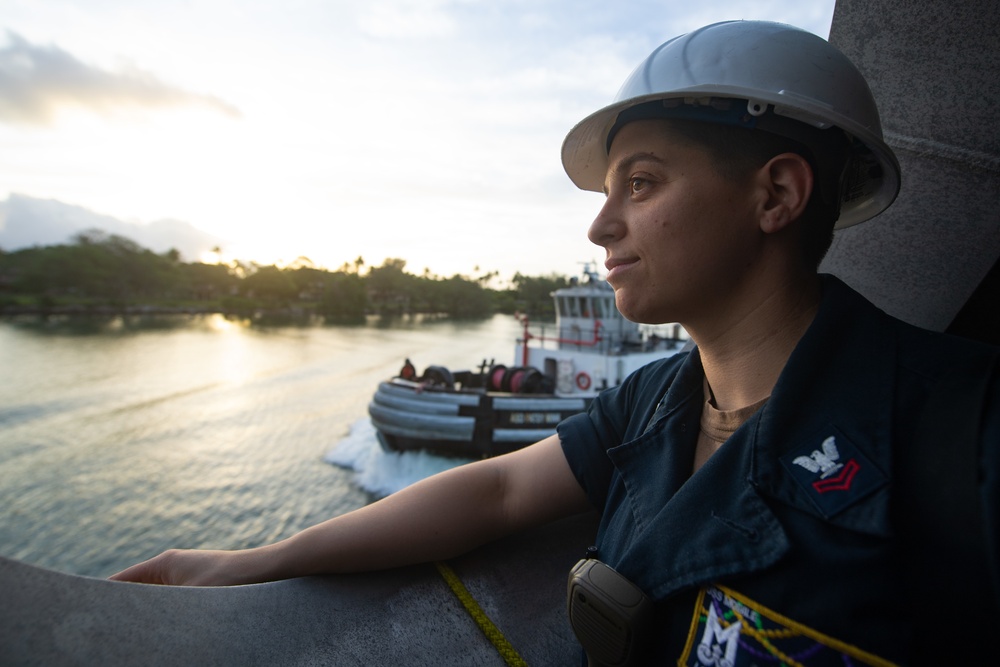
(677, 234)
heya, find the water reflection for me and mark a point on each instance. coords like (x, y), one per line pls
(122, 436)
(88, 325)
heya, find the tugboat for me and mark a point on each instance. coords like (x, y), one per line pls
(496, 409)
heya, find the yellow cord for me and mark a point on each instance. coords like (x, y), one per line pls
(492, 632)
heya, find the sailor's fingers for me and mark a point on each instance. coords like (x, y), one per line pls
(178, 567)
(151, 571)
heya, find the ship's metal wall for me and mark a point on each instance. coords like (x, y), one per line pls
(934, 67)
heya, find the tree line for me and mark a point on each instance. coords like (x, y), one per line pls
(100, 272)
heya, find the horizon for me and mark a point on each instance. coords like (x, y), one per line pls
(160, 244)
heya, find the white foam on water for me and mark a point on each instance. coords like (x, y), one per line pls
(381, 472)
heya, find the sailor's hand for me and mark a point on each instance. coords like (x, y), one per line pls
(178, 567)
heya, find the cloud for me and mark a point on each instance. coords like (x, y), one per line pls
(27, 221)
(36, 82)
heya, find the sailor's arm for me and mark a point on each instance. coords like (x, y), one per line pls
(436, 518)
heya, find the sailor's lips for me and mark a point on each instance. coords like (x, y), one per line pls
(618, 267)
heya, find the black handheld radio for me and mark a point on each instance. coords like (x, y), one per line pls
(610, 615)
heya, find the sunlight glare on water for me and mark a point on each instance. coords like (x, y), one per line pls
(117, 442)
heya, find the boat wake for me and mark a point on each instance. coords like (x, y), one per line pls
(378, 471)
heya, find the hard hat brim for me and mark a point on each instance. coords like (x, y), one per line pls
(585, 157)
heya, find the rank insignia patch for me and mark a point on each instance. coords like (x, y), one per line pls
(730, 630)
(833, 472)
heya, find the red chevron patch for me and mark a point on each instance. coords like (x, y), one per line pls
(841, 482)
(832, 471)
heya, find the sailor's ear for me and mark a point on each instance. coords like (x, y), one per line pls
(787, 182)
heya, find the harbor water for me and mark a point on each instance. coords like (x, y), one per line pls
(120, 438)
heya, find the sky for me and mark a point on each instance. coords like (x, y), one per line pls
(427, 130)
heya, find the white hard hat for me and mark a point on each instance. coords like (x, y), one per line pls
(781, 73)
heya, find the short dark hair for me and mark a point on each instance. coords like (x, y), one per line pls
(737, 151)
